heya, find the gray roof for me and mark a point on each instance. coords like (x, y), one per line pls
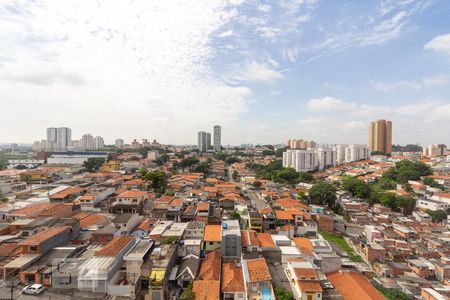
(122, 218)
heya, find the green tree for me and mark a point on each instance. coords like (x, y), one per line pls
(268, 152)
(357, 187)
(25, 177)
(202, 167)
(283, 294)
(287, 175)
(437, 216)
(235, 216)
(93, 164)
(389, 200)
(235, 175)
(323, 193)
(407, 203)
(188, 293)
(158, 179)
(279, 151)
(433, 183)
(305, 177)
(188, 163)
(232, 159)
(162, 159)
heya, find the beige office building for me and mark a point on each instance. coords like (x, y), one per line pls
(380, 136)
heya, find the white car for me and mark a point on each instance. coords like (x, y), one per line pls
(33, 289)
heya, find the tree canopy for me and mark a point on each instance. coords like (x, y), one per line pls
(93, 164)
(323, 193)
(407, 170)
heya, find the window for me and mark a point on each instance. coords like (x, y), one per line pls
(211, 243)
(32, 248)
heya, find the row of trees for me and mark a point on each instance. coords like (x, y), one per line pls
(158, 179)
(275, 171)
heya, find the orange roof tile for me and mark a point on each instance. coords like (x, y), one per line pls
(232, 278)
(305, 273)
(132, 194)
(36, 209)
(354, 286)
(258, 270)
(81, 215)
(291, 203)
(115, 246)
(206, 289)
(213, 233)
(203, 206)
(44, 235)
(177, 202)
(283, 215)
(91, 220)
(265, 210)
(164, 199)
(265, 239)
(146, 224)
(249, 238)
(67, 192)
(309, 286)
(304, 244)
(210, 269)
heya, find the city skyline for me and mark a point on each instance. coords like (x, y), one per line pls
(276, 69)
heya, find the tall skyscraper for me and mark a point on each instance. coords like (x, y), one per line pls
(87, 142)
(63, 138)
(217, 138)
(99, 143)
(119, 143)
(52, 133)
(380, 136)
(202, 141)
(208, 141)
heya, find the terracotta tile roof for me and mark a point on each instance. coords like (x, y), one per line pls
(50, 211)
(210, 189)
(165, 199)
(213, 233)
(258, 270)
(44, 235)
(265, 240)
(283, 215)
(304, 244)
(211, 179)
(232, 278)
(36, 209)
(291, 203)
(115, 246)
(177, 202)
(210, 269)
(204, 206)
(146, 224)
(6, 249)
(91, 220)
(265, 210)
(133, 182)
(249, 238)
(132, 194)
(305, 273)
(206, 289)
(81, 215)
(309, 286)
(354, 286)
(67, 192)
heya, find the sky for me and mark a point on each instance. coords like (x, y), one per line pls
(266, 71)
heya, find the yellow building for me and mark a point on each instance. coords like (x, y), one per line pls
(110, 166)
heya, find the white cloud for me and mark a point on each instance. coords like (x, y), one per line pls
(426, 82)
(440, 43)
(355, 125)
(89, 65)
(264, 8)
(224, 34)
(253, 71)
(329, 103)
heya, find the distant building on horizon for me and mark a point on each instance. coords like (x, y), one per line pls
(435, 150)
(119, 143)
(203, 141)
(99, 143)
(217, 138)
(87, 142)
(301, 144)
(380, 136)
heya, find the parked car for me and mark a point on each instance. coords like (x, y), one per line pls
(33, 289)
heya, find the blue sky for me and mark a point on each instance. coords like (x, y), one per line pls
(265, 70)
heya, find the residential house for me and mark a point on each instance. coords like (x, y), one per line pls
(258, 280)
(212, 238)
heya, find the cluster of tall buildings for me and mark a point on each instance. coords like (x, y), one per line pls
(204, 140)
(435, 150)
(301, 144)
(323, 156)
(60, 139)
